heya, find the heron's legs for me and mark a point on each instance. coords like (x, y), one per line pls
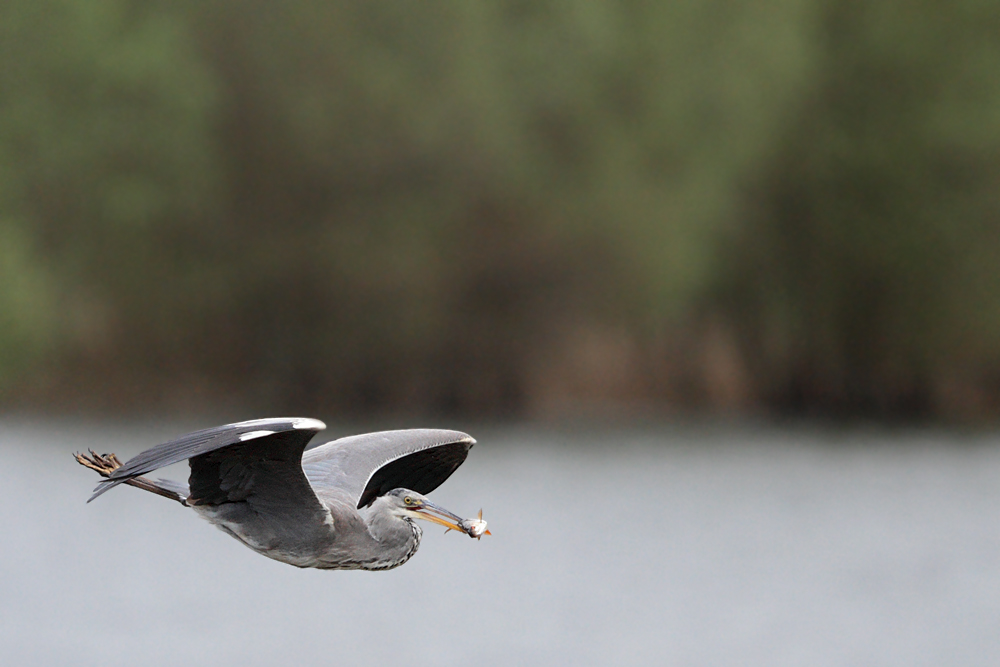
(105, 464)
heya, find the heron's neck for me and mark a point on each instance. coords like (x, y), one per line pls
(397, 540)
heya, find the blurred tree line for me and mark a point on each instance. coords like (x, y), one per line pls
(505, 207)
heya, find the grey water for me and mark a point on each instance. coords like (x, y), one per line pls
(668, 545)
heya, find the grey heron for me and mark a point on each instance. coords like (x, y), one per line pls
(346, 504)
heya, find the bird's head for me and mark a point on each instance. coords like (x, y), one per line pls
(412, 505)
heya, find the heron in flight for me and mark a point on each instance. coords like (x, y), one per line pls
(348, 504)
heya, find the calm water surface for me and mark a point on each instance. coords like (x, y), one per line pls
(679, 546)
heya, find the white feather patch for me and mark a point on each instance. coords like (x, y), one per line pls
(254, 434)
(306, 423)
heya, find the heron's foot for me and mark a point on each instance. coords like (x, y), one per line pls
(103, 464)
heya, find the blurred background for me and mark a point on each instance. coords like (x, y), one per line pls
(501, 209)
(776, 223)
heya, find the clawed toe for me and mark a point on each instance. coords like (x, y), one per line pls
(103, 464)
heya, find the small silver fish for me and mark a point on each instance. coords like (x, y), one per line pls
(474, 527)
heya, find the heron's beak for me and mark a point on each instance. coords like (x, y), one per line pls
(428, 511)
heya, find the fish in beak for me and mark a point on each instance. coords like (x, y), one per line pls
(428, 511)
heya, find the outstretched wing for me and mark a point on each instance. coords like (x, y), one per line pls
(366, 466)
(229, 463)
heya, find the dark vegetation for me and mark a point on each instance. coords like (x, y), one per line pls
(506, 207)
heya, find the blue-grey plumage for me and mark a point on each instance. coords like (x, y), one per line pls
(346, 504)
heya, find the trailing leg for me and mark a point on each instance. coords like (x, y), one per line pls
(105, 464)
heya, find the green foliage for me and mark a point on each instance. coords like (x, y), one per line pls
(867, 275)
(27, 304)
(410, 204)
(105, 152)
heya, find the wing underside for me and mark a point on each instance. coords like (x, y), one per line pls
(367, 466)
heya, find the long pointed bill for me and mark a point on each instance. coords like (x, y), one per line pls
(439, 515)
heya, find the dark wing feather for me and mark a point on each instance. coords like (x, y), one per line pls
(272, 443)
(265, 475)
(421, 471)
(363, 467)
